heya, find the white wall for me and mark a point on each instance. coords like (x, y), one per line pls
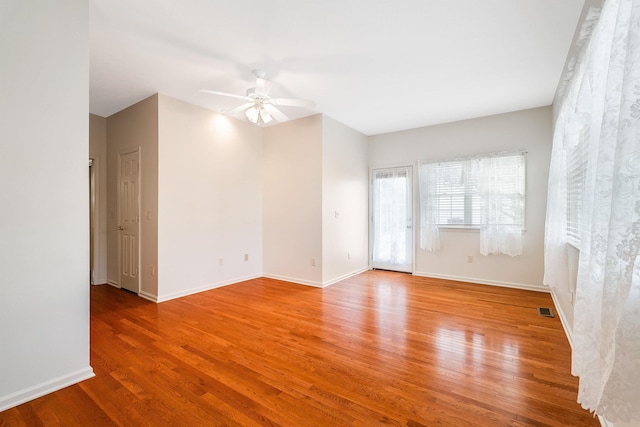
(209, 199)
(98, 152)
(135, 127)
(345, 193)
(292, 201)
(44, 220)
(529, 130)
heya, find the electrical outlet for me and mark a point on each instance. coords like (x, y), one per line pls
(246, 257)
(220, 261)
(313, 262)
(470, 259)
(152, 270)
(348, 255)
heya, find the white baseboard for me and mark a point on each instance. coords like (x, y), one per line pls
(523, 286)
(100, 280)
(293, 280)
(568, 331)
(143, 294)
(148, 296)
(113, 283)
(163, 298)
(179, 294)
(38, 390)
(345, 276)
(316, 284)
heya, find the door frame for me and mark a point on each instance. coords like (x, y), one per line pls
(414, 208)
(138, 222)
(92, 219)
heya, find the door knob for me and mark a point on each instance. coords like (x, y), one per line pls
(120, 228)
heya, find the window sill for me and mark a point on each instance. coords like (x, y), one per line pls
(574, 245)
(463, 228)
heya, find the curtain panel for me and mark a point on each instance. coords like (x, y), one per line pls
(502, 185)
(601, 111)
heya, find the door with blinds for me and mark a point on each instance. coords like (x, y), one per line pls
(392, 219)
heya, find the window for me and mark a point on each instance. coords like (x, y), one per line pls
(476, 191)
(456, 198)
(502, 190)
(576, 173)
(485, 192)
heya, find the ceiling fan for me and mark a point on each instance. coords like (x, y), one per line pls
(260, 107)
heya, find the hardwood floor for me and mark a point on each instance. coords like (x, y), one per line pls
(380, 348)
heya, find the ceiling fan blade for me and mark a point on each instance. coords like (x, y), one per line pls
(263, 86)
(237, 109)
(215, 92)
(278, 115)
(303, 103)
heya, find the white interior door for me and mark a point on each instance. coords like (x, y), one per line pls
(392, 219)
(129, 216)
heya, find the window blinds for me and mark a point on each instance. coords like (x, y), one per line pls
(576, 174)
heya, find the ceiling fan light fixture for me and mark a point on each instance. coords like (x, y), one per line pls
(252, 114)
(265, 116)
(259, 107)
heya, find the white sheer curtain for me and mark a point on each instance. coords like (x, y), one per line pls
(390, 213)
(501, 182)
(429, 232)
(602, 111)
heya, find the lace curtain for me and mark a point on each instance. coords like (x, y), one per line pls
(429, 232)
(602, 111)
(501, 182)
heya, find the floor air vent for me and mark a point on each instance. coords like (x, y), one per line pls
(545, 311)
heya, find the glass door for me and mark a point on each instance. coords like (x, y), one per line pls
(392, 219)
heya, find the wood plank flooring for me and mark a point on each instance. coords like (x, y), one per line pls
(380, 348)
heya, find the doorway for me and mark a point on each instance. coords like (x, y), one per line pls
(129, 220)
(392, 219)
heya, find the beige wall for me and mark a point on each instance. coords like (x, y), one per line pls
(209, 199)
(315, 201)
(98, 152)
(44, 219)
(529, 130)
(135, 128)
(292, 201)
(345, 192)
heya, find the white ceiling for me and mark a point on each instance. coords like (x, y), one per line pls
(375, 65)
